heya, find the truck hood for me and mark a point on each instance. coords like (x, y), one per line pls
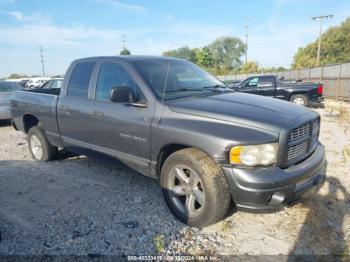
(244, 109)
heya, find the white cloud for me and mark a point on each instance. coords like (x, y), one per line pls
(35, 17)
(128, 7)
(56, 35)
(16, 14)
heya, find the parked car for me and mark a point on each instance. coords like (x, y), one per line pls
(52, 83)
(36, 82)
(300, 93)
(24, 82)
(167, 118)
(6, 90)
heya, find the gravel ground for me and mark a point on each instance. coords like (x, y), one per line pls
(80, 206)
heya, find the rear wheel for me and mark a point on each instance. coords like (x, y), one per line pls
(300, 100)
(39, 147)
(194, 188)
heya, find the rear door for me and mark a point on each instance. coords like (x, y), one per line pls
(118, 129)
(74, 107)
(267, 86)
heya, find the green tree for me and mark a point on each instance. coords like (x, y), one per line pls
(249, 67)
(273, 69)
(16, 76)
(335, 48)
(227, 52)
(204, 57)
(125, 51)
(183, 53)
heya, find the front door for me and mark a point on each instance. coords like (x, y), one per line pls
(120, 129)
(249, 85)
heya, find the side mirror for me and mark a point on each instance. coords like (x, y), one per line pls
(122, 94)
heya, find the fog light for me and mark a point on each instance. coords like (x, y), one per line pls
(277, 198)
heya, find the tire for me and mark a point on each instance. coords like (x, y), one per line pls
(206, 188)
(37, 142)
(300, 100)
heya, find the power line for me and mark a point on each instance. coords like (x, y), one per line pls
(320, 18)
(42, 60)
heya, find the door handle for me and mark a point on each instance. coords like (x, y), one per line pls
(98, 113)
(64, 108)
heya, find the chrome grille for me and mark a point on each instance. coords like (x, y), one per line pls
(299, 142)
(300, 132)
(297, 150)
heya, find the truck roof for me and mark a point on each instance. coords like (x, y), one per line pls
(130, 58)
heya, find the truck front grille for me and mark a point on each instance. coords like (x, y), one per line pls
(300, 132)
(301, 141)
(297, 150)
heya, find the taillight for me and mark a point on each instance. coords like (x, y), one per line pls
(320, 90)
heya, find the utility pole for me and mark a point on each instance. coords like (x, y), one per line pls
(246, 41)
(123, 40)
(42, 60)
(320, 36)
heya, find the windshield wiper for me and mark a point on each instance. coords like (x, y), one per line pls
(215, 86)
(183, 90)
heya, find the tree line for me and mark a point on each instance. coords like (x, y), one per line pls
(335, 48)
(222, 56)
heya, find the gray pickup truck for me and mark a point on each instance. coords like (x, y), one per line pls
(210, 147)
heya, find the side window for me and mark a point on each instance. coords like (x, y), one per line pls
(47, 85)
(78, 84)
(113, 75)
(245, 82)
(266, 81)
(57, 84)
(253, 82)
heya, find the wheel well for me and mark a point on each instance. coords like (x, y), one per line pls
(165, 152)
(29, 121)
(297, 94)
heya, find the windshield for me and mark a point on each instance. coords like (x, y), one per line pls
(9, 87)
(172, 79)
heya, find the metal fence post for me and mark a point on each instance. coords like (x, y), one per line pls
(321, 76)
(309, 73)
(338, 83)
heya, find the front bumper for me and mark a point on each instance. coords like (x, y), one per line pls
(265, 188)
(5, 113)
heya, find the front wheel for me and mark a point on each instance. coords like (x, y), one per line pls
(194, 188)
(39, 147)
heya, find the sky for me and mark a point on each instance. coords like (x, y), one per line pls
(68, 30)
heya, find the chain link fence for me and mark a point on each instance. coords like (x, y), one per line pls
(335, 78)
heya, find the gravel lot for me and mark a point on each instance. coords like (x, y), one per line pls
(80, 206)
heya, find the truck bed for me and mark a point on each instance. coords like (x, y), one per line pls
(51, 91)
(41, 103)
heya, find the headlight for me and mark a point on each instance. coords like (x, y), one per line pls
(254, 155)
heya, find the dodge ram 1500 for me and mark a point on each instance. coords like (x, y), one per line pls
(209, 146)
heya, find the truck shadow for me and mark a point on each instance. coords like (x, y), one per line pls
(4, 123)
(81, 206)
(322, 231)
